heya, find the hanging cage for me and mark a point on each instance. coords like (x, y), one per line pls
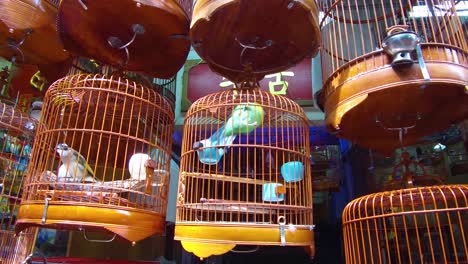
(417, 225)
(245, 175)
(397, 68)
(148, 36)
(165, 87)
(28, 32)
(16, 139)
(101, 161)
(410, 173)
(285, 33)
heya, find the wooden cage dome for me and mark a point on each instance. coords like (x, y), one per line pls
(16, 140)
(410, 173)
(101, 159)
(417, 225)
(255, 36)
(149, 36)
(393, 71)
(245, 174)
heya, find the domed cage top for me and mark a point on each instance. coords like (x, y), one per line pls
(417, 225)
(244, 174)
(398, 68)
(101, 158)
(16, 139)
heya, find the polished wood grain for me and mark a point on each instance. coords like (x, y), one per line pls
(366, 99)
(160, 51)
(277, 34)
(131, 224)
(42, 45)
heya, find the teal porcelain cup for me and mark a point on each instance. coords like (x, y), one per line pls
(292, 171)
(270, 193)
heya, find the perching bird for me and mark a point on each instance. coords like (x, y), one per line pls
(74, 166)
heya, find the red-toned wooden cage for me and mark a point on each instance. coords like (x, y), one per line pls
(16, 140)
(244, 40)
(399, 69)
(28, 32)
(148, 36)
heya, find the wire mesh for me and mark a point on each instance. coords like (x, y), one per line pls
(245, 162)
(417, 225)
(16, 139)
(103, 142)
(352, 29)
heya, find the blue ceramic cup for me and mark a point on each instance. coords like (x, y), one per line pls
(292, 171)
(270, 193)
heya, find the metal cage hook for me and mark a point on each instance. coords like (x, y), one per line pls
(28, 259)
(117, 43)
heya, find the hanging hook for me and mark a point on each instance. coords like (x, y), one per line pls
(117, 43)
(83, 5)
(28, 259)
(97, 240)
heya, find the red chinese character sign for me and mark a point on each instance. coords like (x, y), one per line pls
(294, 83)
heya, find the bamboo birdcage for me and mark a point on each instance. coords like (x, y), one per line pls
(397, 68)
(417, 225)
(123, 132)
(16, 133)
(245, 175)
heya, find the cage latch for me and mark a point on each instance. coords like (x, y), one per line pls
(46, 207)
(282, 223)
(422, 63)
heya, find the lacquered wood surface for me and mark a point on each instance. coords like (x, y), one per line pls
(277, 34)
(366, 101)
(160, 51)
(131, 224)
(42, 45)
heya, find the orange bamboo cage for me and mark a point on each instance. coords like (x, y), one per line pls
(16, 133)
(397, 68)
(101, 158)
(417, 225)
(245, 174)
